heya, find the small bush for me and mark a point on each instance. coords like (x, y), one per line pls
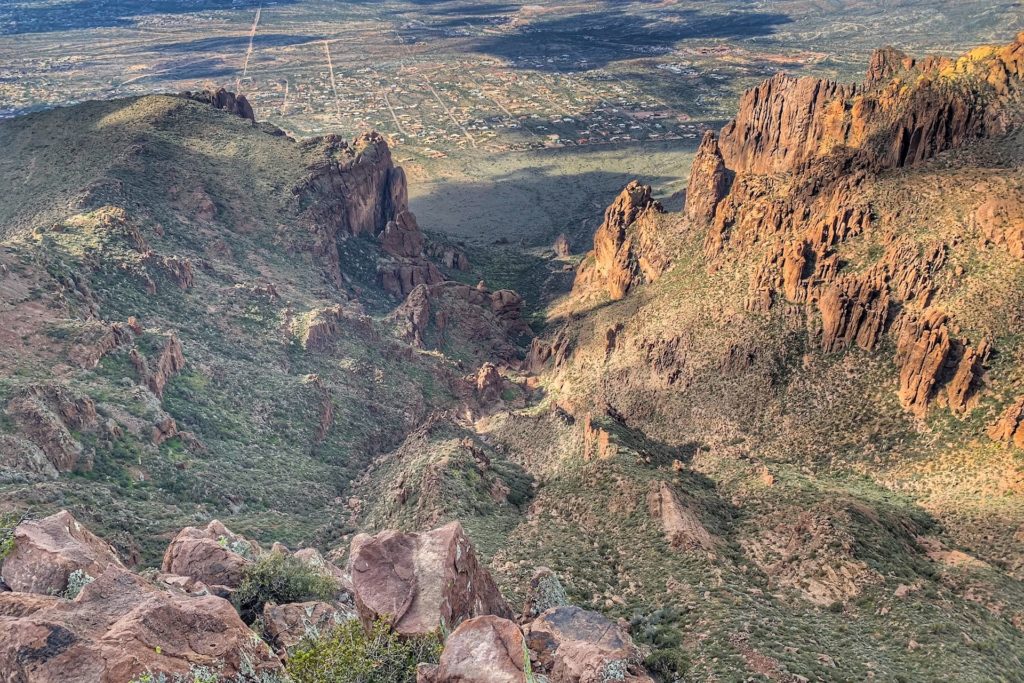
(279, 578)
(348, 654)
(7, 526)
(77, 580)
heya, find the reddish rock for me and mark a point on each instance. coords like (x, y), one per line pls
(1000, 219)
(286, 625)
(209, 555)
(854, 310)
(885, 63)
(573, 645)
(485, 649)
(121, 627)
(1009, 429)
(47, 416)
(544, 592)
(157, 371)
(921, 354)
(709, 181)
(47, 551)
(489, 383)
(402, 236)
(682, 527)
(420, 582)
(627, 248)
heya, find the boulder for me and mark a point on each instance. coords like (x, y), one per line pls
(544, 592)
(46, 552)
(485, 649)
(574, 645)
(212, 555)
(120, 627)
(286, 625)
(562, 247)
(682, 527)
(421, 582)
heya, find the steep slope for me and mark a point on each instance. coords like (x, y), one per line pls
(193, 313)
(817, 390)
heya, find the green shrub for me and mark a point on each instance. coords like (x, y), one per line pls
(348, 654)
(7, 525)
(279, 578)
(77, 580)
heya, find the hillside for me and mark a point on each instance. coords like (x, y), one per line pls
(777, 434)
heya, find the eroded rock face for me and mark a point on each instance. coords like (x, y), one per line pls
(212, 555)
(683, 528)
(854, 311)
(286, 625)
(420, 581)
(573, 645)
(121, 627)
(485, 649)
(626, 251)
(47, 551)
(355, 189)
(47, 416)
(156, 371)
(709, 181)
(226, 100)
(935, 366)
(488, 324)
(1000, 219)
(1009, 429)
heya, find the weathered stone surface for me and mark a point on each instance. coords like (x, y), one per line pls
(681, 525)
(420, 581)
(1009, 429)
(1000, 219)
(226, 100)
(485, 649)
(47, 415)
(544, 592)
(709, 181)
(47, 551)
(488, 324)
(286, 625)
(562, 247)
(626, 250)
(121, 627)
(156, 371)
(854, 311)
(354, 189)
(488, 383)
(209, 555)
(573, 645)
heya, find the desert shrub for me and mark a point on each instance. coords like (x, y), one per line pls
(350, 654)
(77, 580)
(7, 525)
(279, 578)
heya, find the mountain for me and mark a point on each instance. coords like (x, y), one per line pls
(776, 434)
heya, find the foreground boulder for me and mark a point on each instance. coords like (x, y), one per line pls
(573, 645)
(213, 555)
(421, 582)
(286, 625)
(121, 627)
(46, 552)
(485, 649)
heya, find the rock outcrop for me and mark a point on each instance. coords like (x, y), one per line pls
(355, 189)
(486, 324)
(573, 645)
(419, 582)
(682, 527)
(121, 627)
(48, 416)
(47, 551)
(709, 181)
(226, 100)
(1009, 429)
(626, 246)
(485, 649)
(286, 625)
(212, 555)
(156, 371)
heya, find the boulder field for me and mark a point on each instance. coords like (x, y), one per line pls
(75, 613)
